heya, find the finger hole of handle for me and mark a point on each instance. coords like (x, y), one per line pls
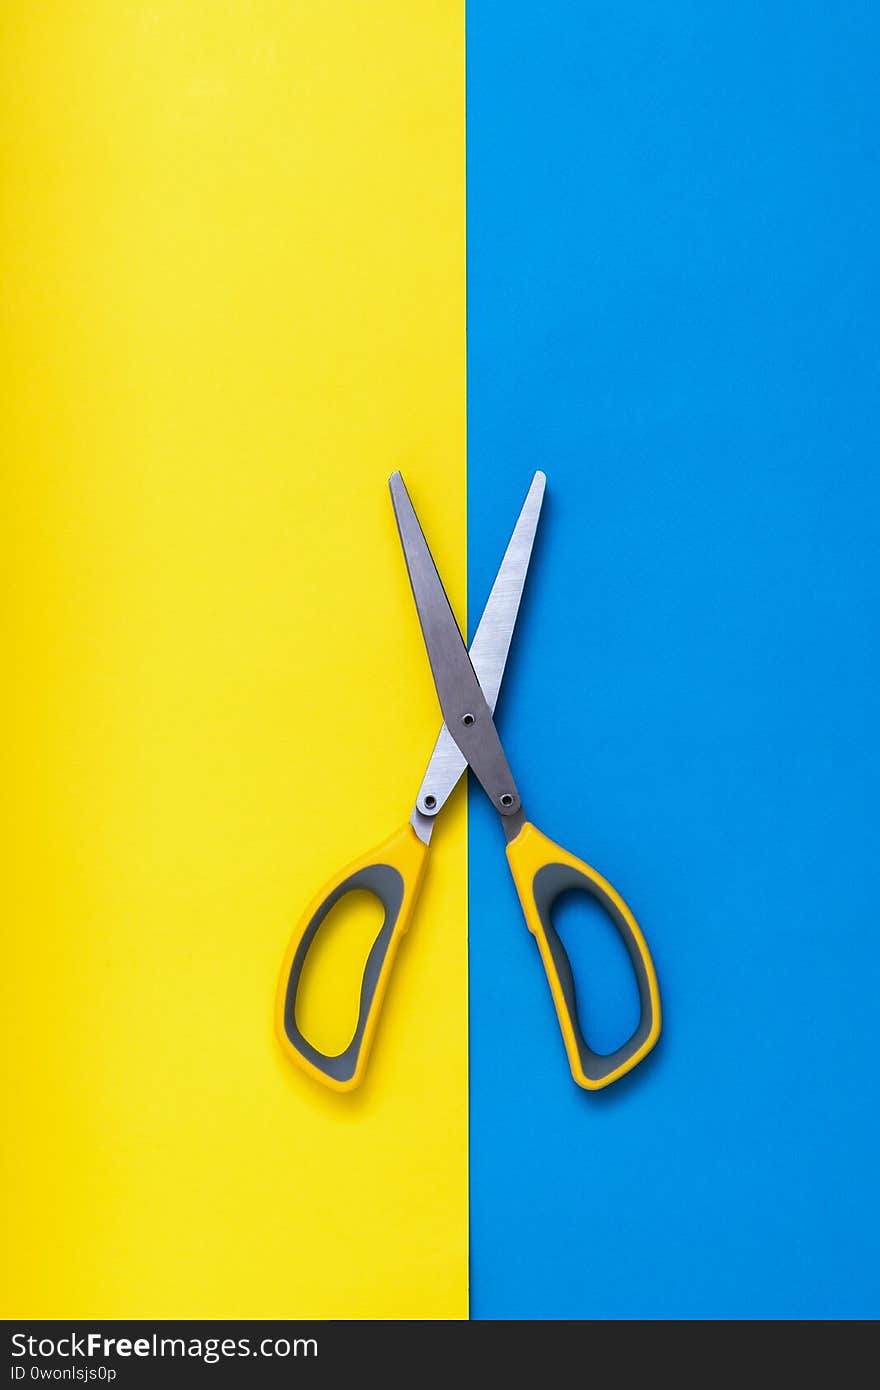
(605, 984)
(595, 1069)
(327, 1001)
(386, 883)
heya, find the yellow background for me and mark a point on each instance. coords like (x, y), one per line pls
(233, 301)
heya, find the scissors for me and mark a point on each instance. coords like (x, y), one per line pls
(467, 687)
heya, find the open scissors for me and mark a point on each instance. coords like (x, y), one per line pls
(467, 688)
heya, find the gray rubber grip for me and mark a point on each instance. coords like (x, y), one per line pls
(387, 885)
(549, 882)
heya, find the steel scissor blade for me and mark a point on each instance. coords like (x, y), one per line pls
(488, 653)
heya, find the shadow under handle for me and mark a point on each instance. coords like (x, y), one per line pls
(542, 871)
(393, 874)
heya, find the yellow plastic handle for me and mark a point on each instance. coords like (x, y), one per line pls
(393, 873)
(541, 871)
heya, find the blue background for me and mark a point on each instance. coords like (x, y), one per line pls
(673, 241)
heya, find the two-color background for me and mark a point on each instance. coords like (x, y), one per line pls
(234, 273)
